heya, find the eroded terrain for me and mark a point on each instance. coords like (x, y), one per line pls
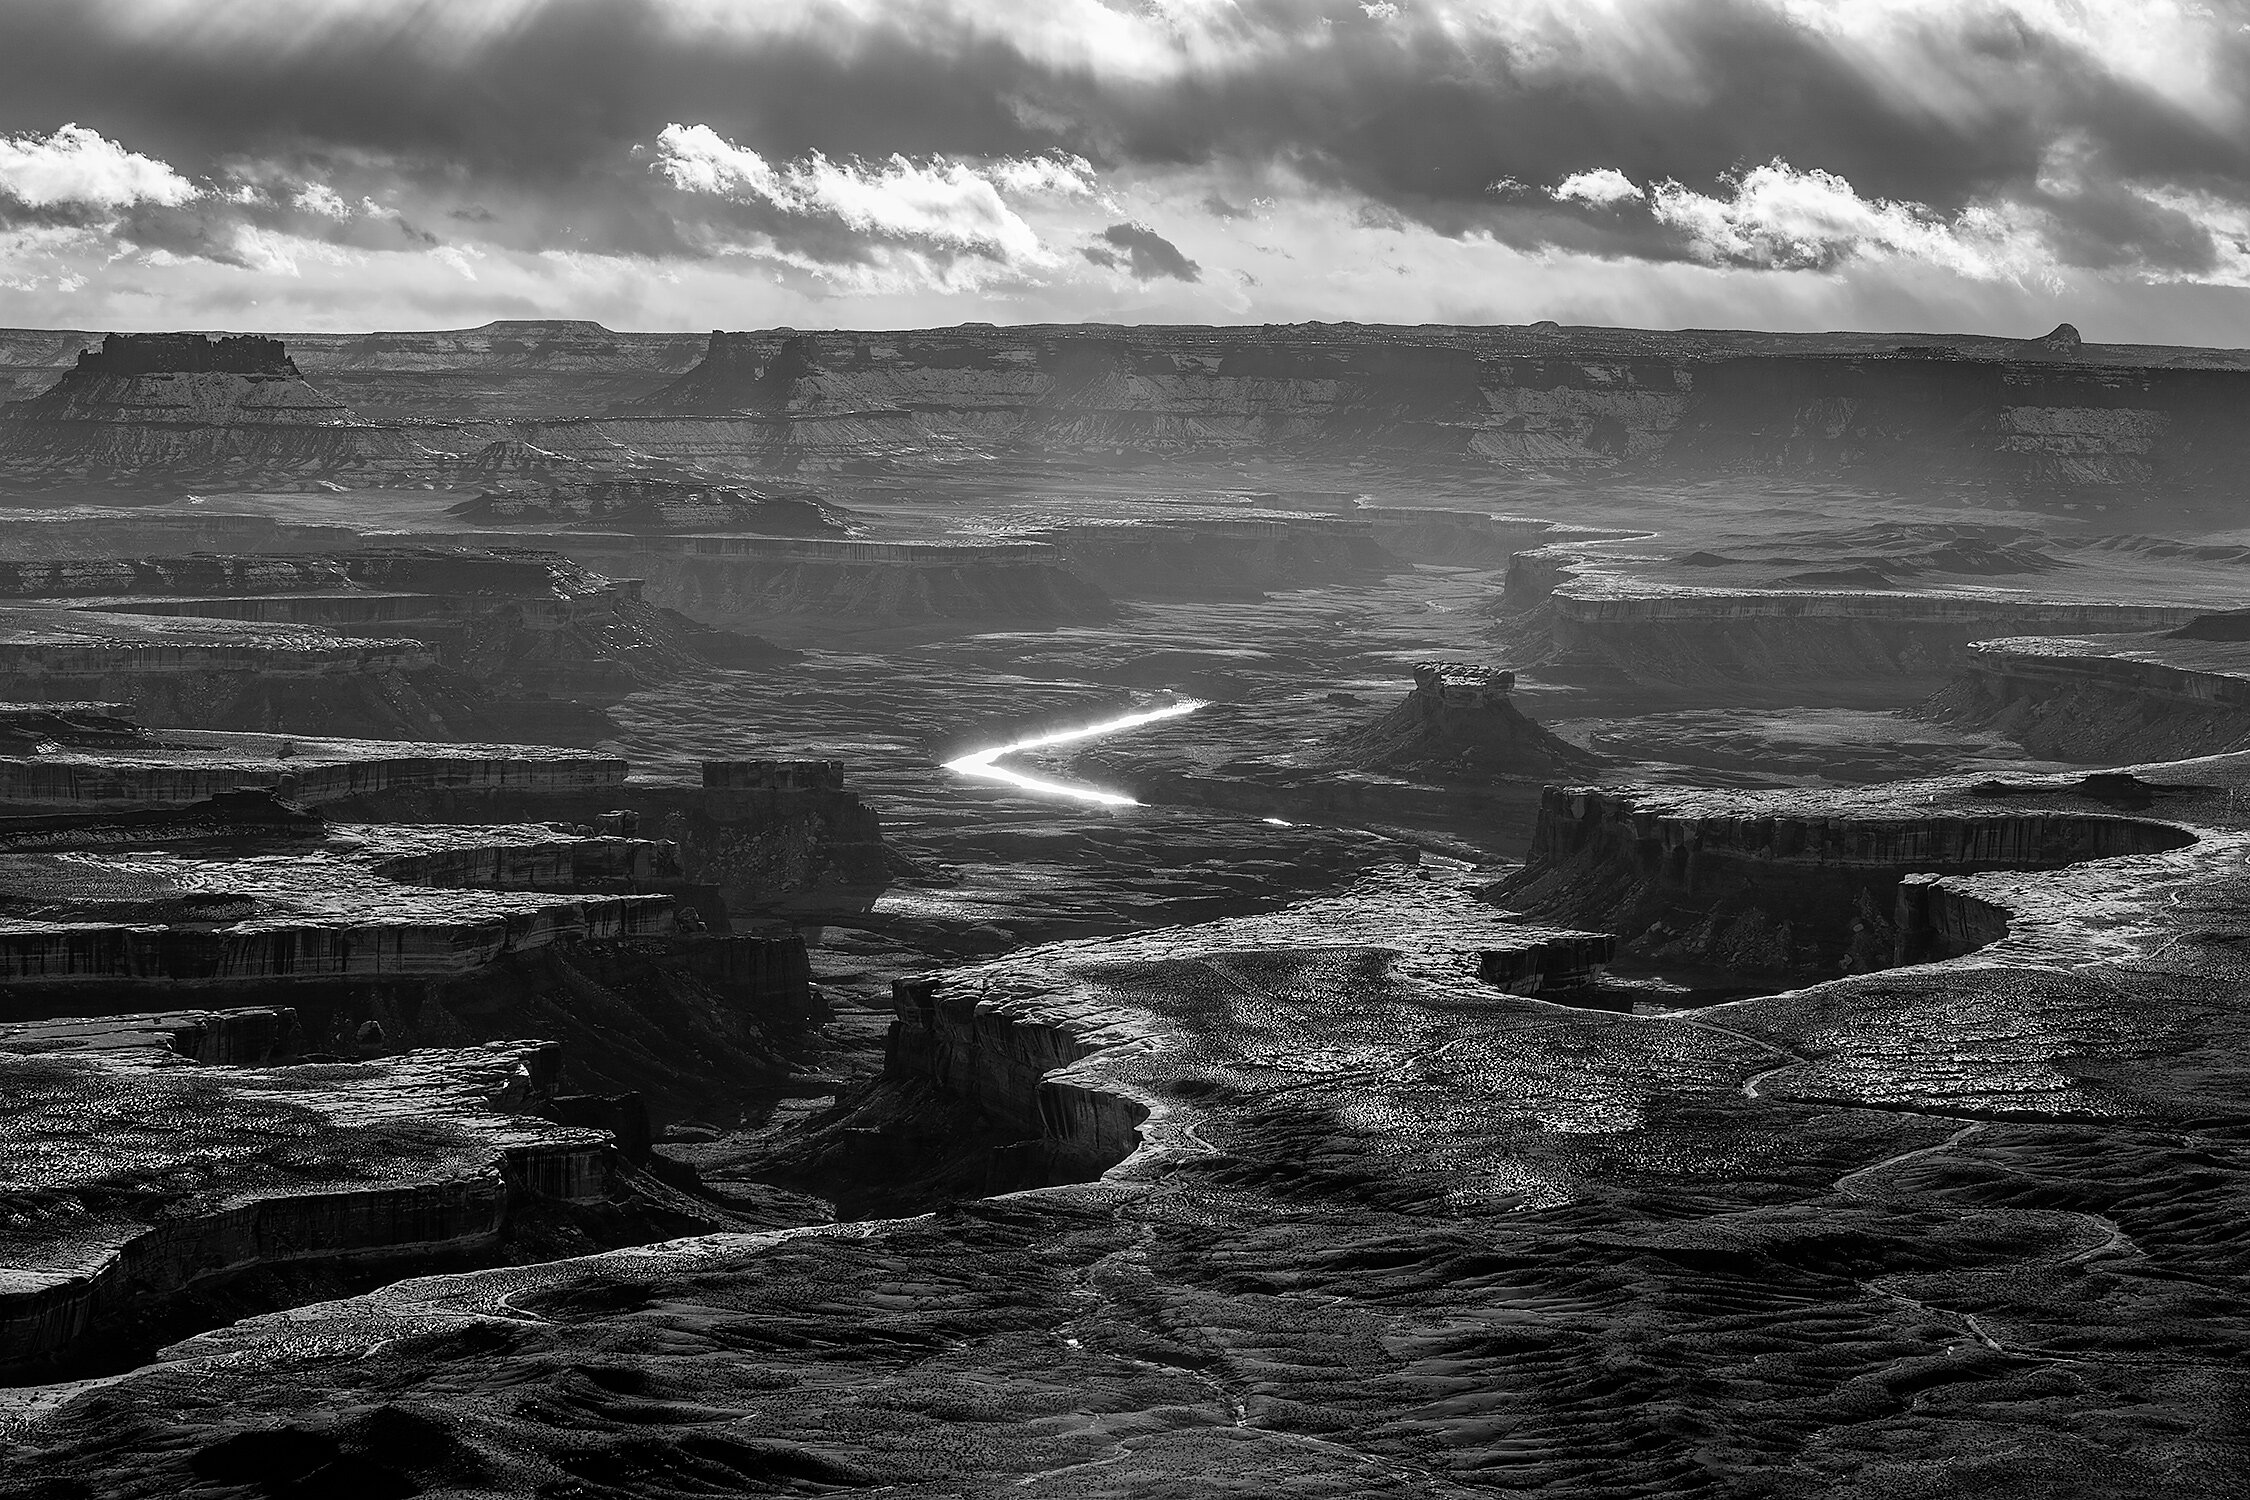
(1172, 911)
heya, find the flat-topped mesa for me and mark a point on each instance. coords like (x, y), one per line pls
(174, 411)
(188, 354)
(1460, 719)
(1793, 885)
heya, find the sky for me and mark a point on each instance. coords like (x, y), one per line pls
(1993, 166)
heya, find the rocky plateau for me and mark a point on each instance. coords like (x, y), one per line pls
(1324, 910)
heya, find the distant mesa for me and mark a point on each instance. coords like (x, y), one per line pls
(175, 410)
(2063, 340)
(549, 326)
(188, 354)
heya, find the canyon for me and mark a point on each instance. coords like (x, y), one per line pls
(1327, 909)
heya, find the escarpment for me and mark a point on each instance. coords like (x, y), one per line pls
(1983, 418)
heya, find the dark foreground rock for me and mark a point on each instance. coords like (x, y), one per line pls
(1390, 1230)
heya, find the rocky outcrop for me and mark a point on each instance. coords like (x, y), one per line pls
(1461, 722)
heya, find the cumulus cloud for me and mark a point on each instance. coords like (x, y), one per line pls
(1777, 217)
(1603, 187)
(1030, 176)
(319, 198)
(78, 167)
(1142, 253)
(936, 205)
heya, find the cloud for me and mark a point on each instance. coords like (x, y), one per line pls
(79, 168)
(319, 198)
(939, 207)
(1060, 176)
(865, 150)
(1143, 253)
(1603, 187)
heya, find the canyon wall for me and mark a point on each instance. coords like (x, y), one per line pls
(1013, 1063)
(1784, 884)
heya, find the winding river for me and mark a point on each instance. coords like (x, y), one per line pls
(984, 765)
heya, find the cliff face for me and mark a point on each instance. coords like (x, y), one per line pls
(1985, 419)
(1981, 420)
(1795, 886)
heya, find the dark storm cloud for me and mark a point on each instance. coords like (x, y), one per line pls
(535, 122)
(1140, 250)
